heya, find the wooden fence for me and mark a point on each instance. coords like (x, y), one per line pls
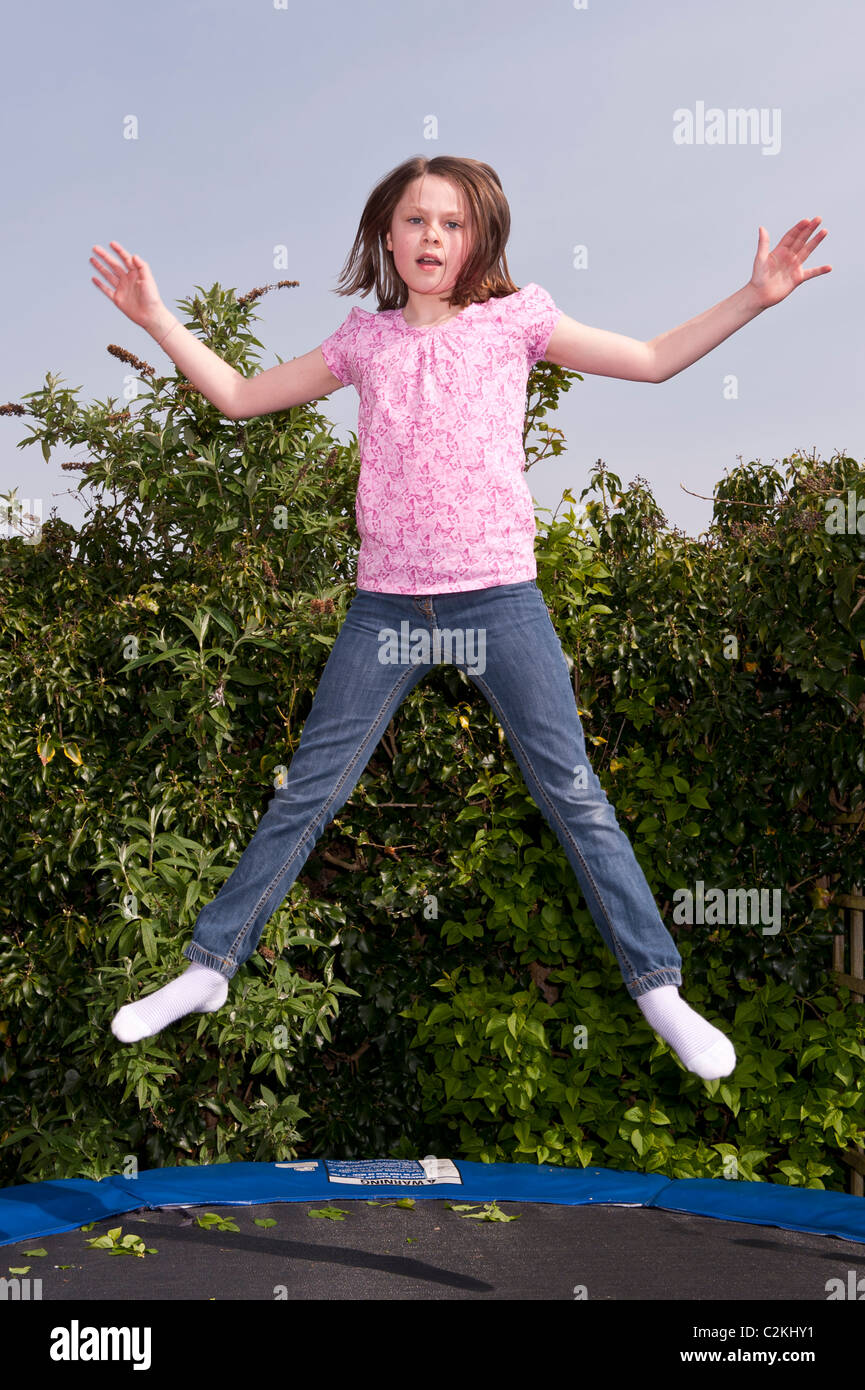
(848, 968)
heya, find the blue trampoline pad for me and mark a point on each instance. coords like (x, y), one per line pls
(40, 1209)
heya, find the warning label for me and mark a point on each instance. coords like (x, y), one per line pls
(393, 1172)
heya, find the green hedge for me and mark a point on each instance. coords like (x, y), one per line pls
(434, 981)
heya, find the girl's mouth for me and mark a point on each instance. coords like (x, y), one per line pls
(428, 261)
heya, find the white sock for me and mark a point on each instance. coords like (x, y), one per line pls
(199, 989)
(700, 1047)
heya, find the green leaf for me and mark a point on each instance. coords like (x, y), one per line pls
(148, 941)
(648, 825)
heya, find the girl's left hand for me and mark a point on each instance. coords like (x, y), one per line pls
(778, 272)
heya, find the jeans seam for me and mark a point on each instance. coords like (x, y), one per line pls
(236, 944)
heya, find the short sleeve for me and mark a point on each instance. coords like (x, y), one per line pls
(341, 350)
(537, 315)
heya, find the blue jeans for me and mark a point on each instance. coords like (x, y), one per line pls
(504, 641)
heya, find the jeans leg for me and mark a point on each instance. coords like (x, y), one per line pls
(355, 700)
(527, 683)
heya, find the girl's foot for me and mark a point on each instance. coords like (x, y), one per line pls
(702, 1048)
(198, 990)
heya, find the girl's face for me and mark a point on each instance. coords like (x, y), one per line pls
(429, 220)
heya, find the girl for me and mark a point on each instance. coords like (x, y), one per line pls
(447, 528)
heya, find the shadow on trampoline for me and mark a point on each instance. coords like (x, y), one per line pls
(327, 1256)
(601, 1253)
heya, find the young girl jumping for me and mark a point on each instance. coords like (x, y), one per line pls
(446, 522)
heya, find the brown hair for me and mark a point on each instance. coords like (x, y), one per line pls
(484, 275)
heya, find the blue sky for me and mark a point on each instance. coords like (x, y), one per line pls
(263, 126)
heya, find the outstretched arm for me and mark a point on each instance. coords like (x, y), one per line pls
(775, 275)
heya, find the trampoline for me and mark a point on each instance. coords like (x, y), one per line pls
(335, 1230)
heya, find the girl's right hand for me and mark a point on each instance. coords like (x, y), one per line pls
(133, 288)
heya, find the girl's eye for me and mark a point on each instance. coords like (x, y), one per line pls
(451, 223)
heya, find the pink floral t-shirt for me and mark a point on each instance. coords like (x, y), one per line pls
(442, 503)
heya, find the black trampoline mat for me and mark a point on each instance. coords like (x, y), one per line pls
(432, 1253)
